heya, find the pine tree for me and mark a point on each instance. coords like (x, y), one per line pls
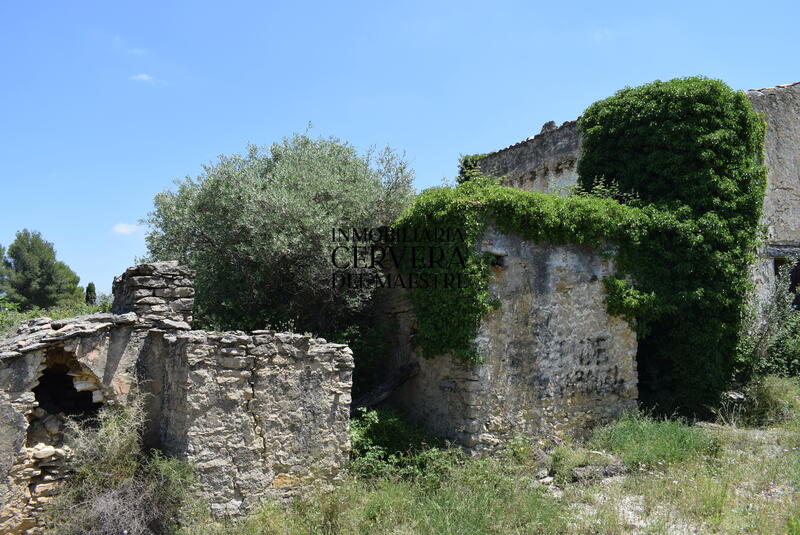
(31, 276)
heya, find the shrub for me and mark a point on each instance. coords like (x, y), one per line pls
(770, 340)
(644, 441)
(383, 444)
(772, 400)
(692, 147)
(113, 488)
(257, 230)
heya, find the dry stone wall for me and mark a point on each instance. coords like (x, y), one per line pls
(50, 369)
(262, 414)
(555, 363)
(161, 294)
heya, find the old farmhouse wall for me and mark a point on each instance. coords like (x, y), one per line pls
(262, 414)
(547, 163)
(555, 362)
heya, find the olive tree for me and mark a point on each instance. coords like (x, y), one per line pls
(257, 229)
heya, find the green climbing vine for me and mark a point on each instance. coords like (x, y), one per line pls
(686, 155)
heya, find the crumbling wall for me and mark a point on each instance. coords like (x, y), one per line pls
(97, 355)
(546, 162)
(555, 362)
(161, 294)
(781, 108)
(261, 415)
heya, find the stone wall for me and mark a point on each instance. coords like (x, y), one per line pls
(97, 355)
(261, 415)
(160, 293)
(546, 162)
(781, 108)
(555, 363)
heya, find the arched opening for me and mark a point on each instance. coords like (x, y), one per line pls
(56, 393)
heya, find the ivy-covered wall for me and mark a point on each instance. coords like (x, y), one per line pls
(672, 175)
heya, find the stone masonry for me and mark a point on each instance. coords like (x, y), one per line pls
(262, 415)
(547, 163)
(555, 362)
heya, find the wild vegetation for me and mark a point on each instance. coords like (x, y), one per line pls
(257, 228)
(685, 158)
(638, 475)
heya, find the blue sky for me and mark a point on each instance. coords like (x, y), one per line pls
(104, 104)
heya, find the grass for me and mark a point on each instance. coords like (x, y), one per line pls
(682, 478)
(644, 441)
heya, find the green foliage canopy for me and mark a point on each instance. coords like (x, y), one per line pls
(692, 147)
(31, 277)
(257, 229)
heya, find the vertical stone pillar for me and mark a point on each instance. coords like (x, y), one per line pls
(160, 293)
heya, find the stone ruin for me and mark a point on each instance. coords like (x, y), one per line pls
(260, 415)
(265, 414)
(555, 363)
(547, 162)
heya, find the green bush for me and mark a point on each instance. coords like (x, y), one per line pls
(257, 228)
(692, 147)
(469, 167)
(113, 488)
(383, 444)
(770, 341)
(645, 441)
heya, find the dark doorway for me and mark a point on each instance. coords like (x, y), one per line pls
(56, 393)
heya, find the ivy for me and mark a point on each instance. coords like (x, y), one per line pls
(685, 158)
(469, 167)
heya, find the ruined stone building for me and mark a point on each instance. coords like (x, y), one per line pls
(547, 162)
(555, 361)
(265, 414)
(259, 414)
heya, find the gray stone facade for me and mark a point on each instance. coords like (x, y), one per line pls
(261, 415)
(546, 163)
(555, 362)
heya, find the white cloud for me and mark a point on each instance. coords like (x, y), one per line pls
(137, 51)
(125, 228)
(143, 77)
